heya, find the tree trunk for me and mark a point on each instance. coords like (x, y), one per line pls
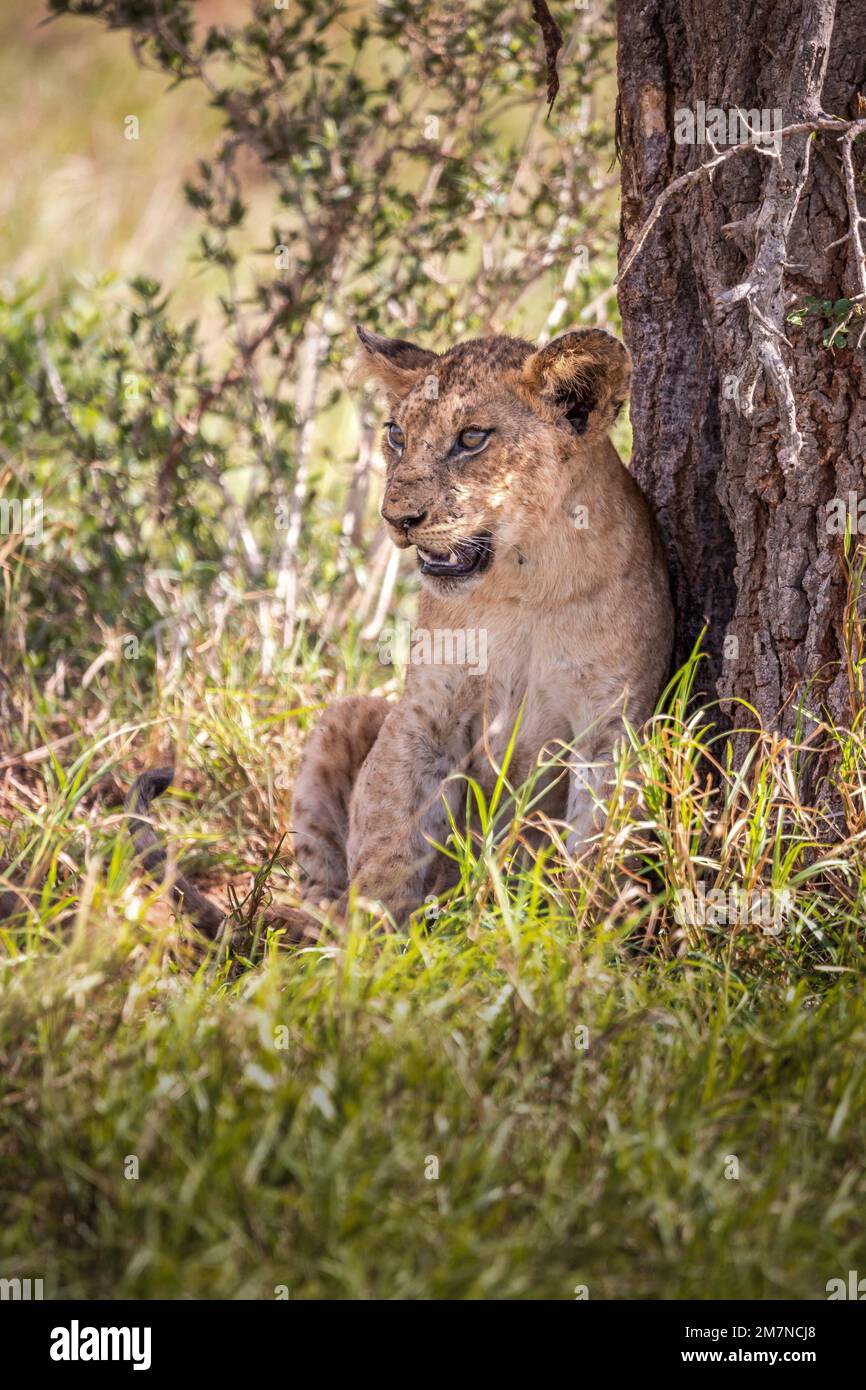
(743, 439)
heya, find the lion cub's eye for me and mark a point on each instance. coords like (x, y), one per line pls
(472, 440)
(396, 437)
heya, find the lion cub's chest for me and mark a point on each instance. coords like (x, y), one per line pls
(519, 676)
(524, 712)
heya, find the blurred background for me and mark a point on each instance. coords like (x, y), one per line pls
(200, 201)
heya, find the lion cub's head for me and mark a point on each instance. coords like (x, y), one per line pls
(484, 441)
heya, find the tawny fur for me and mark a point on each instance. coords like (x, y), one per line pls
(574, 603)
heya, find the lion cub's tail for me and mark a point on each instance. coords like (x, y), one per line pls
(205, 914)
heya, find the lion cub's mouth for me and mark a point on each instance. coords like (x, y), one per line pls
(467, 557)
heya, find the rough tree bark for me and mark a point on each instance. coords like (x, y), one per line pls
(742, 438)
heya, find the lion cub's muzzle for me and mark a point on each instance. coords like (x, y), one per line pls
(401, 523)
(441, 558)
(463, 559)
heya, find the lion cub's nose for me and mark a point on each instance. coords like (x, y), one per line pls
(403, 522)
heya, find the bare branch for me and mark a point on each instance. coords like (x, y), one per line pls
(678, 185)
(855, 218)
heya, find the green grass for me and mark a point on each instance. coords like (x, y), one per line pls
(582, 1070)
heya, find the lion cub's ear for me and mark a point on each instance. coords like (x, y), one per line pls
(394, 363)
(584, 375)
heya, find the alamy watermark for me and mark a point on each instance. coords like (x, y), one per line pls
(714, 125)
(21, 516)
(21, 1290)
(77, 1343)
(843, 512)
(733, 907)
(851, 1288)
(403, 645)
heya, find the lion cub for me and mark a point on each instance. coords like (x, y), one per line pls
(535, 545)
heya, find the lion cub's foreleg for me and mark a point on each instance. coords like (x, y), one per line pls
(398, 808)
(591, 779)
(330, 763)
